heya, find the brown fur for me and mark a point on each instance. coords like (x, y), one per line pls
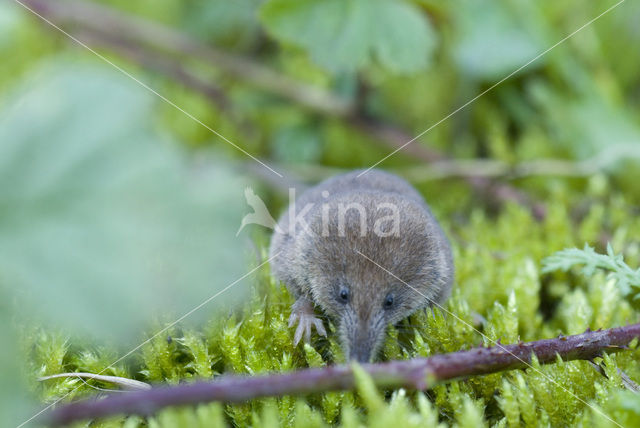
(317, 267)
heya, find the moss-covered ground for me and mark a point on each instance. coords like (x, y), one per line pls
(499, 289)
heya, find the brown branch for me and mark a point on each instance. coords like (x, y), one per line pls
(109, 24)
(419, 373)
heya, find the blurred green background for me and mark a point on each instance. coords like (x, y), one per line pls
(105, 186)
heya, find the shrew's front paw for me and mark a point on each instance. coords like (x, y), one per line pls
(302, 312)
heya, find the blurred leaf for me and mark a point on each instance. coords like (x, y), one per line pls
(104, 227)
(229, 23)
(9, 20)
(615, 35)
(593, 127)
(493, 41)
(345, 35)
(297, 144)
(590, 125)
(13, 397)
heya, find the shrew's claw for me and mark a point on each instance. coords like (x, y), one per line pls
(302, 312)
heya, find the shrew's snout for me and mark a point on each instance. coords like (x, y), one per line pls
(362, 339)
(361, 352)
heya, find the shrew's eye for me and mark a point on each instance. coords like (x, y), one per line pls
(388, 301)
(343, 295)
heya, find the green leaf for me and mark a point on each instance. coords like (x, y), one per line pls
(104, 224)
(14, 399)
(493, 40)
(591, 126)
(10, 20)
(297, 144)
(347, 35)
(228, 23)
(627, 279)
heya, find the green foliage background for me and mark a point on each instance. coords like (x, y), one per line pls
(410, 63)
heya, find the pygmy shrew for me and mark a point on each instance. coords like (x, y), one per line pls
(366, 251)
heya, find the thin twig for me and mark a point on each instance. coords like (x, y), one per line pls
(419, 373)
(128, 384)
(489, 168)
